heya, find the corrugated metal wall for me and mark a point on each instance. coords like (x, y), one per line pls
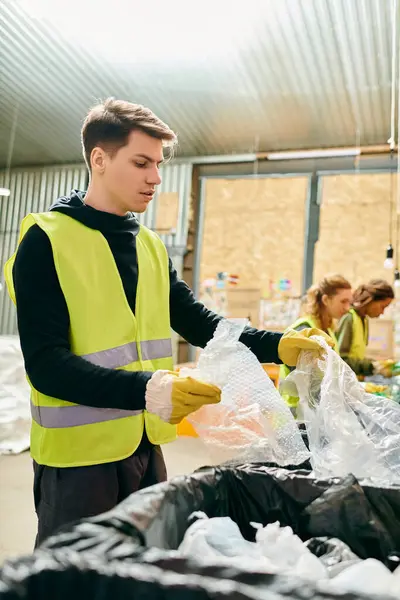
(35, 189)
(32, 190)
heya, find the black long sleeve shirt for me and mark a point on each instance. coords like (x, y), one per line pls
(43, 318)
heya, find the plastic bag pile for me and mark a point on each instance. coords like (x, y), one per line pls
(15, 417)
(277, 550)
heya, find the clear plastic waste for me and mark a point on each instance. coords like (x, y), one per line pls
(288, 553)
(252, 421)
(275, 550)
(15, 417)
(369, 577)
(349, 430)
(219, 542)
(216, 538)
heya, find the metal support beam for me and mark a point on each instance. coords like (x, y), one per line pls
(198, 247)
(199, 237)
(311, 230)
(366, 163)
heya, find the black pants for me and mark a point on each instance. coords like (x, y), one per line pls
(65, 495)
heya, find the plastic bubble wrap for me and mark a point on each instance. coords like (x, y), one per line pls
(252, 421)
(349, 430)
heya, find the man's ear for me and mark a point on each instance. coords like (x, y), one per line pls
(98, 159)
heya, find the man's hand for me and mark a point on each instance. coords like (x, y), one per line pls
(293, 342)
(173, 398)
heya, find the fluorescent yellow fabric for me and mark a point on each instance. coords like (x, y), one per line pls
(104, 331)
(284, 370)
(359, 340)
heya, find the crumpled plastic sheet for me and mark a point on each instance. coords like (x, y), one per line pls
(252, 421)
(15, 417)
(349, 430)
(368, 577)
(276, 549)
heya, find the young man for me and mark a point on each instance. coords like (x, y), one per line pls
(96, 296)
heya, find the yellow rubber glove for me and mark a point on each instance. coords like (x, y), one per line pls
(173, 398)
(384, 368)
(293, 342)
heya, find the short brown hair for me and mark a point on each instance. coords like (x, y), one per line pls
(109, 124)
(374, 290)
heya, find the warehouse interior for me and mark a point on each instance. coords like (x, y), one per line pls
(286, 168)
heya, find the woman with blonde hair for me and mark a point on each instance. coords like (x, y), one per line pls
(369, 302)
(327, 300)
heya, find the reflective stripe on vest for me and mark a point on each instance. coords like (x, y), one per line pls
(154, 349)
(114, 358)
(121, 356)
(59, 417)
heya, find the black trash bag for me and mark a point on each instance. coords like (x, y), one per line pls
(330, 551)
(365, 518)
(131, 550)
(63, 574)
(247, 493)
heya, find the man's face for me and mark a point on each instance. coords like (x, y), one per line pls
(131, 175)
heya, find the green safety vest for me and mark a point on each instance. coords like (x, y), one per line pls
(105, 332)
(284, 371)
(359, 338)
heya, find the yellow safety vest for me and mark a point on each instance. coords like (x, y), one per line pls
(284, 371)
(105, 332)
(359, 338)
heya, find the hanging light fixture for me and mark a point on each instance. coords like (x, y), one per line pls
(397, 205)
(389, 262)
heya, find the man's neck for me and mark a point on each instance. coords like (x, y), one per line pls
(99, 200)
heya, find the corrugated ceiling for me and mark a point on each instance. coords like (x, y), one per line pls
(295, 73)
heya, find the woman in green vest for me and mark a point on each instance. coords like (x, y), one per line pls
(369, 302)
(327, 300)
